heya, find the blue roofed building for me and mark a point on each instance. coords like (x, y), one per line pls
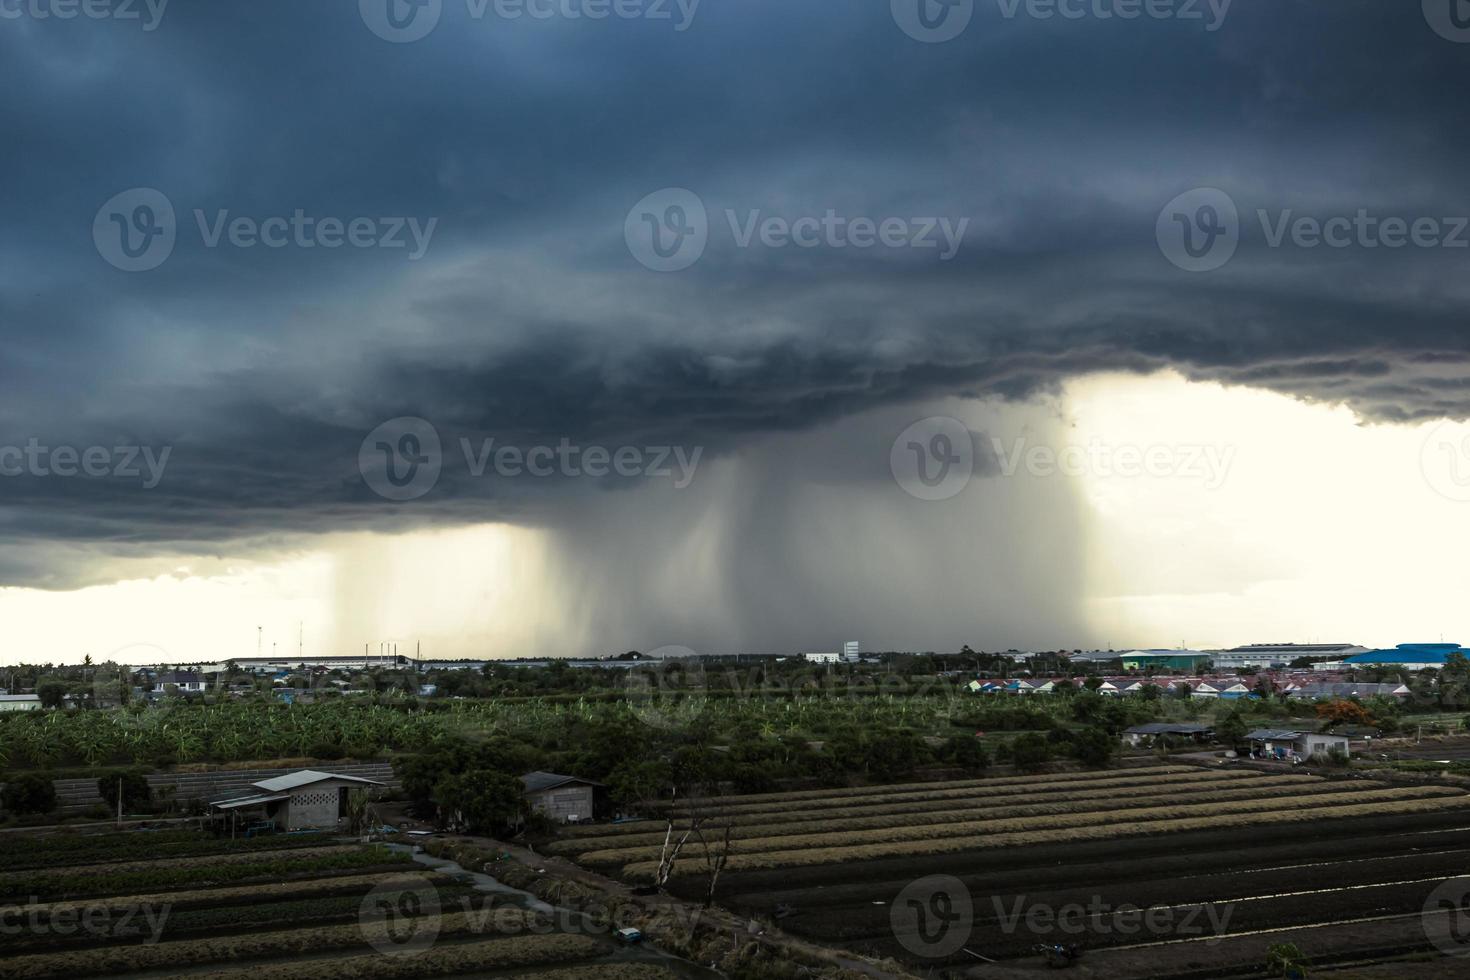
(1408, 656)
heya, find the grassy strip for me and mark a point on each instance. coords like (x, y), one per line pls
(919, 848)
(605, 971)
(68, 884)
(738, 805)
(41, 852)
(846, 793)
(803, 795)
(1111, 804)
(316, 910)
(921, 802)
(920, 811)
(885, 835)
(258, 945)
(466, 958)
(1040, 785)
(22, 881)
(211, 897)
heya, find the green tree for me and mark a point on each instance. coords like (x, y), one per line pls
(1286, 960)
(480, 801)
(30, 792)
(1232, 729)
(1095, 747)
(967, 752)
(52, 693)
(136, 793)
(1030, 752)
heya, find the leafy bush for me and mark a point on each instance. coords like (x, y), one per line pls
(1030, 752)
(481, 801)
(1094, 747)
(967, 752)
(133, 786)
(30, 792)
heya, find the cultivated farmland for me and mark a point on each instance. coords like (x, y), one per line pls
(123, 904)
(955, 873)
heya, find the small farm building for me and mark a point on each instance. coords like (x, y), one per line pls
(1173, 730)
(565, 799)
(305, 800)
(1279, 744)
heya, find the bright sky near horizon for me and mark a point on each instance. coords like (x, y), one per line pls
(1207, 516)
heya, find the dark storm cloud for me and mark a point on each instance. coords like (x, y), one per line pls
(528, 319)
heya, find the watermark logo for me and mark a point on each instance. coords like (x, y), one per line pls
(933, 21)
(1208, 464)
(1099, 918)
(1450, 19)
(401, 21)
(101, 920)
(1361, 230)
(933, 917)
(667, 693)
(1445, 460)
(135, 230)
(401, 459)
(149, 13)
(399, 918)
(934, 458)
(668, 230)
(406, 21)
(1211, 13)
(143, 463)
(1199, 230)
(1447, 917)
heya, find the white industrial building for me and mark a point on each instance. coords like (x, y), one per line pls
(1279, 654)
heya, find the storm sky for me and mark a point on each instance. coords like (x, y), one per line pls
(995, 217)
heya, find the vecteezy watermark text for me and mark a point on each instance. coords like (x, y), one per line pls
(935, 459)
(403, 458)
(148, 13)
(669, 230)
(935, 916)
(121, 462)
(1200, 230)
(937, 21)
(1209, 464)
(101, 920)
(1099, 918)
(137, 230)
(405, 21)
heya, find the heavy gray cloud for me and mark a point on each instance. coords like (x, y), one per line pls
(528, 319)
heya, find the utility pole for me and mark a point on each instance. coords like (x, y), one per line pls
(259, 636)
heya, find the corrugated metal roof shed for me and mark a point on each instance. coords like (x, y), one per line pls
(306, 777)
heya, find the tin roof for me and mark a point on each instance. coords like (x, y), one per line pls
(306, 777)
(536, 782)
